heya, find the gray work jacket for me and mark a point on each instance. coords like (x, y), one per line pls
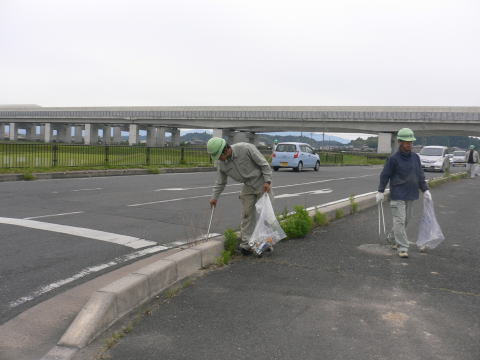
(247, 165)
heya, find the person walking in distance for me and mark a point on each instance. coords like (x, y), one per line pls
(471, 161)
(404, 172)
(245, 164)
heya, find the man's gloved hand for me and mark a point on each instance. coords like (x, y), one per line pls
(379, 196)
(427, 195)
(213, 202)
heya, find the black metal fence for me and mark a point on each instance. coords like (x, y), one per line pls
(28, 155)
(19, 155)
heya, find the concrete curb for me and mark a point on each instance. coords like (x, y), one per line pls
(110, 303)
(99, 173)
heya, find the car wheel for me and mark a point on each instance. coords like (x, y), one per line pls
(317, 166)
(275, 168)
(299, 167)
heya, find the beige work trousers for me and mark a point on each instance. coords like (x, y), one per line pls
(249, 197)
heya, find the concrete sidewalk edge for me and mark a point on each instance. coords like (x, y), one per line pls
(111, 303)
(100, 173)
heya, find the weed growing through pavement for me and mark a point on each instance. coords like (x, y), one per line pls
(28, 176)
(339, 214)
(230, 245)
(353, 204)
(298, 224)
(320, 218)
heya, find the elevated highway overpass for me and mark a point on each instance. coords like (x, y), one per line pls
(236, 122)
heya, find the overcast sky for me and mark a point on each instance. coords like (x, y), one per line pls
(245, 52)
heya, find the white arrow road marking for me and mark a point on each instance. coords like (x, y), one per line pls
(84, 272)
(129, 241)
(314, 192)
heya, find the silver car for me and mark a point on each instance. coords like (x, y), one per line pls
(458, 158)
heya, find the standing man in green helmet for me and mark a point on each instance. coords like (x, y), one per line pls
(404, 172)
(245, 164)
(471, 161)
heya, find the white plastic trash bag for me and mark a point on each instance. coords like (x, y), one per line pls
(267, 229)
(429, 233)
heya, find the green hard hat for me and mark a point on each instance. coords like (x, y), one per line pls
(215, 147)
(472, 147)
(405, 134)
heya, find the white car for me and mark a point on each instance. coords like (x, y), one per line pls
(296, 156)
(458, 158)
(434, 158)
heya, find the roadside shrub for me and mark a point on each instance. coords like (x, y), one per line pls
(224, 259)
(28, 176)
(298, 224)
(320, 219)
(353, 204)
(153, 170)
(339, 214)
(231, 241)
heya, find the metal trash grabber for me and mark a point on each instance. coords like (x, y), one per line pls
(381, 220)
(210, 224)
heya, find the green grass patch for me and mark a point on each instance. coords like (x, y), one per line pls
(353, 204)
(320, 218)
(339, 214)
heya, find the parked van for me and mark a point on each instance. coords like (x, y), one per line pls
(434, 158)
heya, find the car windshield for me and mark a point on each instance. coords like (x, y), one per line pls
(459, 153)
(431, 152)
(286, 148)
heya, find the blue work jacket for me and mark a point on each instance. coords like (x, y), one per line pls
(404, 172)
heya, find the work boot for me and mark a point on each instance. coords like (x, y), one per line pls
(403, 254)
(394, 246)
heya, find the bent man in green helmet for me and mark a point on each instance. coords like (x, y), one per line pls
(404, 172)
(245, 164)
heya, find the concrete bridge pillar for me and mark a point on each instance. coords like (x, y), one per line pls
(133, 134)
(2, 131)
(46, 132)
(160, 137)
(64, 133)
(91, 134)
(13, 132)
(107, 134)
(31, 131)
(175, 132)
(117, 135)
(78, 136)
(244, 136)
(151, 135)
(387, 143)
(227, 134)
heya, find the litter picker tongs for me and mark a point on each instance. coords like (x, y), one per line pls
(210, 224)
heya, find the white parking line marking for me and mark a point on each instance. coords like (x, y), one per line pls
(179, 199)
(314, 192)
(129, 241)
(88, 189)
(84, 272)
(237, 192)
(192, 188)
(43, 216)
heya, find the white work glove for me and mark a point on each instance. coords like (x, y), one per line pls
(379, 196)
(427, 195)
